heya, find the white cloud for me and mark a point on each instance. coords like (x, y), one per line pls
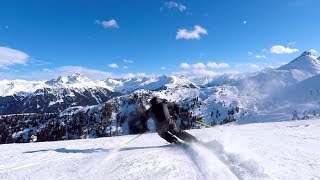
(173, 4)
(313, 51)
(251, 67)
(203, 72)
(185, 66)
(163, 68)
(108, 24)
(113, 65)
(198, 66)
(291, 43)
(248, 67)
(192, 34)
(125, 67)
(215, 65)
(131, 75)
(127, 61)
(201, 65)
(182, 7)
(261, 56)
(257, 55)
(254, 66)
(195, 66)
(244, 22)
(278, 49)
(195, 73)
(9, 57)
(46, 74)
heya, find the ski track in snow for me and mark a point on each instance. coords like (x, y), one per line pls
(282, 150)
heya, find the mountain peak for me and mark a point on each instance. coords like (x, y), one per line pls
(306, 53)
(71, 79)
(305, 62)
(77, 77)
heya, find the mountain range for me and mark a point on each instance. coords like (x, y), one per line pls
(51, 96)
(117, 105)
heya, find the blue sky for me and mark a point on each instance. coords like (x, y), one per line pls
(43, 39)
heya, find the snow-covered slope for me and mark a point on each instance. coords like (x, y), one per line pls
(284, 150)
(21, 87)
(128, 85)
(305, 91)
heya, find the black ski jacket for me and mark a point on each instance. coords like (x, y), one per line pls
(161, 111)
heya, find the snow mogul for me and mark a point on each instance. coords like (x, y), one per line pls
(160, 111)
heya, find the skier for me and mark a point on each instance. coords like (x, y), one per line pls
(295, 115)
(305, 115)
(161, 112)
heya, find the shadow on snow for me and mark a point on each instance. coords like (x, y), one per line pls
(94, 150)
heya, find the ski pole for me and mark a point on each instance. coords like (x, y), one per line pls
(204, 124)
(126, 143)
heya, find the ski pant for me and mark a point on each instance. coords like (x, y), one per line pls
(168, 131)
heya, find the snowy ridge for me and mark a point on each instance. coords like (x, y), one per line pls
(128, 85)
(75, 81)
(114, 83)
(22, 87)
(52, 96)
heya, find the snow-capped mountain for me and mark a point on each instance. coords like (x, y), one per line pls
(53, 95)
(76, 81)
(277, 91)
(271, 80)
(128, 85)
(114, 83)
(21, 87)
(305, 62)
